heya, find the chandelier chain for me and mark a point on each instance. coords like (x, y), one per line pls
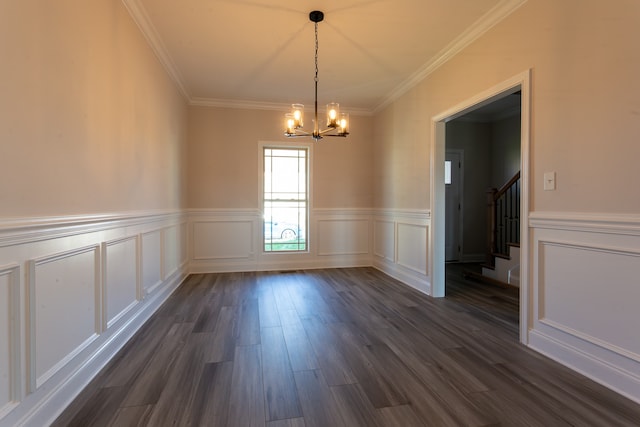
(316, 78)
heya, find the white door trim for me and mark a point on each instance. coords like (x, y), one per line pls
(437, 235)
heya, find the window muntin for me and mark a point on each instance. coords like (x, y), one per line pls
(285, 199)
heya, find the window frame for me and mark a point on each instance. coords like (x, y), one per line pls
(261, 193)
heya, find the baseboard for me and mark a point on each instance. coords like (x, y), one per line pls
(601, 371)
(45, 405)
(406, 276)
(283, 263)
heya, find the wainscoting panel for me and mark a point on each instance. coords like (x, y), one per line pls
(230, 240)
(343, 237)
(592, 278)
(70, 298)
(223, 239)
(412, 247)
(384, 240)
(152, 273)
(120, 278)
(9, 338)
(585, 296)
(56, 333)
(401, 240)
(171, 255)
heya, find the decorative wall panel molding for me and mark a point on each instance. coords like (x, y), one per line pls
(78, 302)
(10, 390)
(223, 239)
(343, 236)
(384, 239)
(400, 246)
(585, 291)
(230, 240)
(412, 247)
(56, 334)
(152, 260)
(171, 244)
(120, 278)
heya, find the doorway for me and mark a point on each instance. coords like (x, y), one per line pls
(437, 245)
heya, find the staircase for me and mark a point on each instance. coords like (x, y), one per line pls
(506, 268)
(503, 234)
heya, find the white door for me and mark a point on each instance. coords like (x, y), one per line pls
(453, 204)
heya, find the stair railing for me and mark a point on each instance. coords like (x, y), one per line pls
(503, 218)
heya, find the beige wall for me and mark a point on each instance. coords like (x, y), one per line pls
(89, 120)
(585, 113)
(224, 160)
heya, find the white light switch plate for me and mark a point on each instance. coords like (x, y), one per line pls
(549, 181)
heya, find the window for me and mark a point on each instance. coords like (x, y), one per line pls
(447, 171)
(285, 198)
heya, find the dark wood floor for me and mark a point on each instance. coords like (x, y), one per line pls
(343, 347)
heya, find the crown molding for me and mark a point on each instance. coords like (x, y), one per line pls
(235, 103)
(481, 26)
(141, 18)
(259, 105)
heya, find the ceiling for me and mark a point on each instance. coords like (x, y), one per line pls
(260, 53)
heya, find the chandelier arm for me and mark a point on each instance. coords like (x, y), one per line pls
(325, 131)
(295, 135)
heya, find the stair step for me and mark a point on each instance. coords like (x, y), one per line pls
(488, 266)
(479, 277)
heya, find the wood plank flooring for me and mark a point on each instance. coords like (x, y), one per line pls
(340, 347)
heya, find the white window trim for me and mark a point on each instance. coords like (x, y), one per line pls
(285, 145)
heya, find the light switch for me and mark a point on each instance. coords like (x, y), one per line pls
(549, 181)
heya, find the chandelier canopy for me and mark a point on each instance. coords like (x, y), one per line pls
(337, 123)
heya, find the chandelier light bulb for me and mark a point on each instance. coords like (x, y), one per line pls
(333, 111)
(344, 124)
(298, 111)
(289, 124)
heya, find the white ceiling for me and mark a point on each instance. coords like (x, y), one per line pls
(260, 53)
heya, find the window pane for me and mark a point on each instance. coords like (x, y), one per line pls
(447, 171)
(285, 200)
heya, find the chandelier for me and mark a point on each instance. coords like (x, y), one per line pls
(337, 123)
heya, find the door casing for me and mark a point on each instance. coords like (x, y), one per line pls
(436, 257)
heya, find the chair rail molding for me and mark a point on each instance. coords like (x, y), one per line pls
(584, 287)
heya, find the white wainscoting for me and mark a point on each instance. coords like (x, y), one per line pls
(231, 240)
(151, 260)
(78, 301)
(393, 241)
(121, 290)
(223, 240)
(10, 314)
(586, 292)
(63, 311)
(400, 246)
